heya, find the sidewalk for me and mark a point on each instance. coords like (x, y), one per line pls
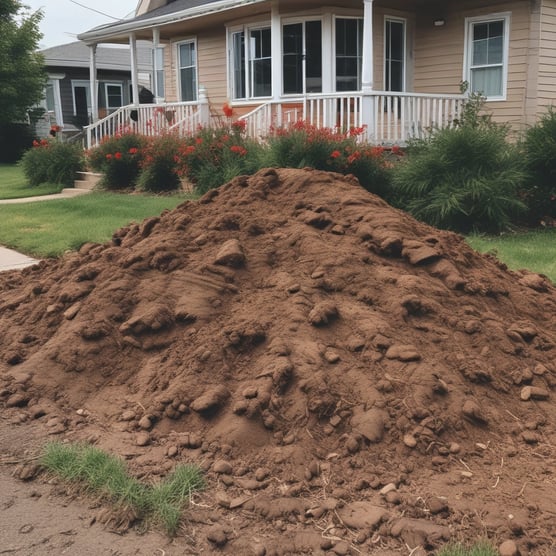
(10, 259)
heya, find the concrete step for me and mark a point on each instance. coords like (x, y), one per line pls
(75, 191)
(87, 180)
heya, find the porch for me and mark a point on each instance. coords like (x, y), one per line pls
(388, 118)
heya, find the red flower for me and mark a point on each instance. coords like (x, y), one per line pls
(228, 110)
(335, 154)
(36, 143)
(242, 151)
(199, 140)
(239, 125)
(108, 156)
(133, 150)
(353, 157)
(118, 156)
(44, 142)
(396, 150)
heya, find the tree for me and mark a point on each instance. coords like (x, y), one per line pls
(22, 72)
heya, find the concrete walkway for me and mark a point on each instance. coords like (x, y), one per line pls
(10, 259)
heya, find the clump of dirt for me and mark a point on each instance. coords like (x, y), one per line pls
(351, 380)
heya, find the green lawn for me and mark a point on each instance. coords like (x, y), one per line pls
(49, 228)
(13, 184)
(534, 250)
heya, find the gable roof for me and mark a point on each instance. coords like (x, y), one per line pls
(77, 55)
(175, 11)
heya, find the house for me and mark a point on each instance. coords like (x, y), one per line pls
(393, 66)
(67, 101)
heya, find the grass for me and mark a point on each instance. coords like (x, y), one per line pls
(99, 473)
(534, 250)
(481, 548)
(13, 184)
(49, 228)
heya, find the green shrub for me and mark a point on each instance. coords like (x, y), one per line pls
(15, 139)
(465, 178)
(52, 162)
(214, 156)
(303, 144)
(159, 166)
(119, 159)
(539, 192)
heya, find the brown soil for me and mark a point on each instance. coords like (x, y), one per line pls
(351, 380)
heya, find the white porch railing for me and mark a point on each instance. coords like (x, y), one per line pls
(147, 119)
(390, 118)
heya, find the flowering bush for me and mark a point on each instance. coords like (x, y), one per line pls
(214, 156)
(119, 159)
(160, 164)
(303, 144)
(51, 161)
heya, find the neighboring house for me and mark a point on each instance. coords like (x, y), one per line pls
(394, 66)
(67, 101)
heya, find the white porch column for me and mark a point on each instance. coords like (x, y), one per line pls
(367, 70)
(276, 55)
(93, 81)
(134, 75)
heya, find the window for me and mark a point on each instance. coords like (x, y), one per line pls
(52, 102)
(349, 49)
(394, 55)
(81, 90)
(187, 53)
(158, 69)
(114, 96)
(250, 63)
(487, 54)
(302, 57)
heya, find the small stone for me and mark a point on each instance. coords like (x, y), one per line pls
(142, 439)
(393, 497)
(539, 369)
(467, 474)
(145, 423)
(409, 440)
(331, 356)
(335, 420)
(250, 392)
(481, 446)
(222, 467)
(341, 548)
(17, 400)
(473, 411)
(230, 254)
(222, 500)
(172, 451)
(534, 393)
(388, 488)
(508, 548)
(454, 448)
(361, 537)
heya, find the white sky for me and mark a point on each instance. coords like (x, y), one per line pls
(63, 19)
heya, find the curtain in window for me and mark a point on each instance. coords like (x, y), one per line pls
(487, 58)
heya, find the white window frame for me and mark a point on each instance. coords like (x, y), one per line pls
(334, 75)
(54, 80)
(193, 41)
(159, 71)
(110, 109)
(468, 53)
(246, 30)
(403, 21)
(303, 20)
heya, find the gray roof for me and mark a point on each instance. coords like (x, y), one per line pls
(77, 55)
(175, 10)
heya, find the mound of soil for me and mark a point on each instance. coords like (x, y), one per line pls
(351, 380)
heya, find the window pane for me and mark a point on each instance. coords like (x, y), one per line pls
(313, 60)
(292, 39)
(238, 65)
(480, 53)
(348, 54)
(496, 29)
(187, 55)
(188, 84)
(495, 50)
(487, 81)
(262, 78)
(50, 97)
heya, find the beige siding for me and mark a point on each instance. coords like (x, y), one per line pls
(439, 54)
(546, 85)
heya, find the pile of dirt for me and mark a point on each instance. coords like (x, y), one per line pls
(352, 381)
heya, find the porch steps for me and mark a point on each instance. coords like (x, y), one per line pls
(87, 180)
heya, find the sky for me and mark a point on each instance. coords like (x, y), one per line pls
(64, 19)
